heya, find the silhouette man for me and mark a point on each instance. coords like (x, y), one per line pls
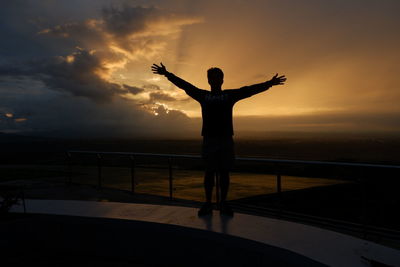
(217, 131)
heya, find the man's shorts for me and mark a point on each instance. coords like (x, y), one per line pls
(218, 153)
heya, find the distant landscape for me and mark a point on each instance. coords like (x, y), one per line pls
(372, 148)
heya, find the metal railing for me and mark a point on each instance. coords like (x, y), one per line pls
(132, 156)
(278, 167)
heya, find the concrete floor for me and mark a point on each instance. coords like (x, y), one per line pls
(324, 246)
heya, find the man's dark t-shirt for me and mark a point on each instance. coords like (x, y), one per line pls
(217, 107)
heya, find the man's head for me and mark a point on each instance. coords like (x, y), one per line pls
(215, 77)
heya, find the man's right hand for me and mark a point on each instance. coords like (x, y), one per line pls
(159, 69)
(277, 80)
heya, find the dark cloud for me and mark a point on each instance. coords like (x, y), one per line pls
(48, 55)
(140, 28)
(160, 96)
(87, 34)
(77, 74)
(105, 43)
(151, 87)
(127, 29)
(129, 20)
(53, 114)
(133, 89)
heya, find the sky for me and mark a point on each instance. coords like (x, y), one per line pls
(82, 67)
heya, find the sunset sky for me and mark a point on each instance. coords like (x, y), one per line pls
(82, 67)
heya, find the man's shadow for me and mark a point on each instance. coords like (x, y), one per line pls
(217, 222)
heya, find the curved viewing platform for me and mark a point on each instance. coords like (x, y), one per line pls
(140, 209)
(163, 235)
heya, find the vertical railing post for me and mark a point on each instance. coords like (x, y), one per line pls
(69, 171)
(99, 170)
(170, 178)
(364, 205)
(132, 174)
(279, 187)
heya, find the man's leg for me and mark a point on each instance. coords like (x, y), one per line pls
(209, 184)
(224, 183)
(208, 187)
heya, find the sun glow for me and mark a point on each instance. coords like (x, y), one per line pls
(160, 108)
(70, 58)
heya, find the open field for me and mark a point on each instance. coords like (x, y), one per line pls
(187, 184)
(377, 148)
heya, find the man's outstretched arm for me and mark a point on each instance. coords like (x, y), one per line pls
(250, 90)
(188, 87)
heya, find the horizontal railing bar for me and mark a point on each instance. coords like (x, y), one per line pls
(136, 154)
(308, 162)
